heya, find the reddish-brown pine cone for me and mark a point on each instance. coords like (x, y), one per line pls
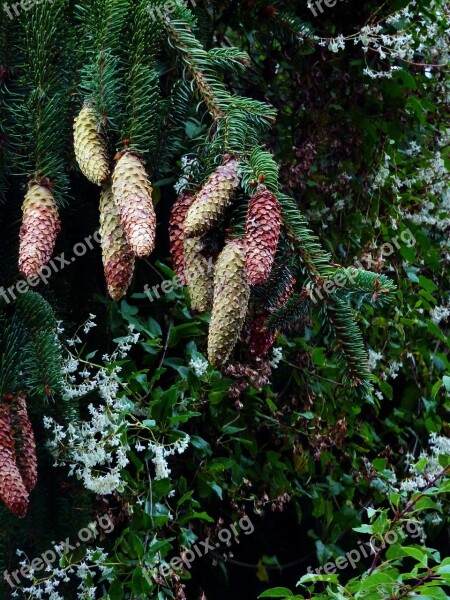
(261, 340)
(12, 488)
(262, 235)
(176, 232)
(39, 230)
(26, 448)
(287, 292)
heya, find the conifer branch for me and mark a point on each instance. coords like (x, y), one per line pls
(147, 110)
(296, 308)
(315, 259)
(40, 109)
(349, 344)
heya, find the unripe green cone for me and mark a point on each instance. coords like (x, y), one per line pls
(199, 274)
(230, 303)
(213, 199)
(90, 147)
(133, 196)
(118, 260)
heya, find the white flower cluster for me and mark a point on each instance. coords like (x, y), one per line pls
(402, 36)
(277, 357)
(439, 446)
(188, 164)
(161, 452)
(49, 587)
(374, 357)
(439, 314)
(95, 449)
(199, 366)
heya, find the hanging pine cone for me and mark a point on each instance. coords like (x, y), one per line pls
(176, 232)
(261, 340)
(12, 488)
(199, 273)
(231, 296)
(39, 230)
(133, 196)
(213, 199)
(90, 146)
(118, 260)
(26, 452)
(261, 236)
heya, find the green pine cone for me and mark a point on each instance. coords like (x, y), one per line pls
(213, 199)
(118, 260)
(90, 146)
(199, 274)
(230, 303)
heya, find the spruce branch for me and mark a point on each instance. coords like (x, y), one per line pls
(146, 113)
(101, 25)
(296, 308)
(43, 351)
(238, 120)
(349, 344)
(316, 260)
(363, 287)
(40, 111)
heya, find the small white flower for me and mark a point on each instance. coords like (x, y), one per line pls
(199, 366)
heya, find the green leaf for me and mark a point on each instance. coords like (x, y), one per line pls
(279, 592)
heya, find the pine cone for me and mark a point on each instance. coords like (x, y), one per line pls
(261, 340)
(118, 260)
(39, 230)
(261, 236)
(213, 199)
(176, 232)
(12, 488)
(199, 273)
(133, 196)
(26, 454)
(90, 146)
(231, 296)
